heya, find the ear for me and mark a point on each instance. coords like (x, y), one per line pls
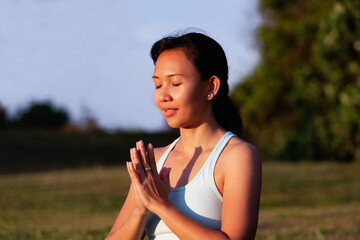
(213, 87)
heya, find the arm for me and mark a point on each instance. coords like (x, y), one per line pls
(130, 222)
(241, 194)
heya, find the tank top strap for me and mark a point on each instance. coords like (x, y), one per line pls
(213, 158)
(161, 161)
(213, 155)
(218, 149)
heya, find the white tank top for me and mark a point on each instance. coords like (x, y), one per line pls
(200, 199)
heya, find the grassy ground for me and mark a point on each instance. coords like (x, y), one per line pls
(299, 201)
(310, 201)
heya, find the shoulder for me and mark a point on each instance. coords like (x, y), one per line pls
(240, 156)
(240, 148)
(159, 151)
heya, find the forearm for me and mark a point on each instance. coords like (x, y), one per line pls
(131, 229)
(185, 227)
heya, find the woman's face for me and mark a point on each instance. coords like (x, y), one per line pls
(180, 94)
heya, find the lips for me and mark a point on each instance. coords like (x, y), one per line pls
(168, 112)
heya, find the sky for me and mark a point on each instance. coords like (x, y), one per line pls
(92, 56)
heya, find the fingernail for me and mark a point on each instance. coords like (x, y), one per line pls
(150, 146)
(142, 143)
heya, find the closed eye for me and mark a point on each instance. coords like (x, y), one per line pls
(176, 84)
(157, 86)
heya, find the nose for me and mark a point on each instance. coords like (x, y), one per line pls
(164, 94)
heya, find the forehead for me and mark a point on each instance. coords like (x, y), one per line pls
(174, 61)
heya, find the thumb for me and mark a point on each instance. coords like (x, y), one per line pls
(165, 175)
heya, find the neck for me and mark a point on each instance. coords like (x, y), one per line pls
(205, 135)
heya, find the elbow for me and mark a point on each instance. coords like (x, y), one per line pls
(247, 234)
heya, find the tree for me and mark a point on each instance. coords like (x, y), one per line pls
(303, 99)
(41, 115)
(2, 117)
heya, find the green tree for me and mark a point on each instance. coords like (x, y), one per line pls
(303, 99)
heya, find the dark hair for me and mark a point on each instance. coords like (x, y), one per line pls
(209, 58)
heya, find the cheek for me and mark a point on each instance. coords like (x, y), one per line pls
(156, 99)
(194, 96)
(179, 96)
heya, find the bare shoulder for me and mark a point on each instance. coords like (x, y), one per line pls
(239, 147)
(239, 155)
(159, 151)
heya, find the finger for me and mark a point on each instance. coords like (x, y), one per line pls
(138, 148)
(129, 171)
(165, 175)
(135, 182)
(143, 155)
(133, 175)
(136, 163)
(151, 157)
(127, 167)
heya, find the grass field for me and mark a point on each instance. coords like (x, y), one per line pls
(299, 201)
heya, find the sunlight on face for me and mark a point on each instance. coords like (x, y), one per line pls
(179, 93)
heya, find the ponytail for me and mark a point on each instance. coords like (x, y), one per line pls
(227, 115)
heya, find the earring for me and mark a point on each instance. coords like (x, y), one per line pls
(209, 95)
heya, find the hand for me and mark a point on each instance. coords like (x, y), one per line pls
(140, 206)
(150, 187)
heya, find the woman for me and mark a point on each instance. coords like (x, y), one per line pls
(206, 184)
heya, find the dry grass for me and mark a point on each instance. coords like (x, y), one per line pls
(299, 201)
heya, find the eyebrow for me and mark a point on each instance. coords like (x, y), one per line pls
(170, 75)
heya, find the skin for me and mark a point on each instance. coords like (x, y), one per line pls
(183, 99)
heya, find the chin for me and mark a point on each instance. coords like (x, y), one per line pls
(178, 124)
(173, 123)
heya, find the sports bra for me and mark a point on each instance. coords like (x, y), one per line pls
(200, 199)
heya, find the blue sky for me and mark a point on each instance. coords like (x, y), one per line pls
(92, 56)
